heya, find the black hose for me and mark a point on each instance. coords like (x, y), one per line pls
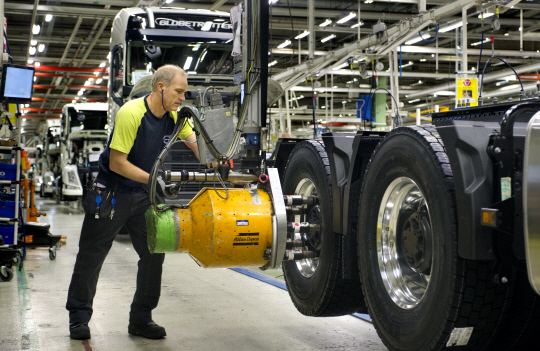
(484, 71)
(398, 117)
(152, 180)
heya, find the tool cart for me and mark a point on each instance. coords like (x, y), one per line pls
(15, 88)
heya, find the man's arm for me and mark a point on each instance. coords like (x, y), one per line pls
(120, 164)
(195, 148)
(193, 144)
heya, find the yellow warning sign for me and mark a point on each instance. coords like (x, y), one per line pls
(467, 92)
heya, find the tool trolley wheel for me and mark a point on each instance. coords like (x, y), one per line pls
(420, 294)
(52, 253)
(6, 274)
(316, 285)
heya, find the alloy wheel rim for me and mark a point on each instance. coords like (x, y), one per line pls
(405, 279)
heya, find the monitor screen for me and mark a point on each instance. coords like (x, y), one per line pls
(17, 83)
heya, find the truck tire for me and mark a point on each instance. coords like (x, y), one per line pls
(523, 322)
(420, 294)
(316, 285)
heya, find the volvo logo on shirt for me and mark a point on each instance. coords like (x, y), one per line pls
(166, 138)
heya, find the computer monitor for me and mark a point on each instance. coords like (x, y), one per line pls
(16, 85)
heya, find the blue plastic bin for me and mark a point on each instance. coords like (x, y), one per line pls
(7, 209)
(6, 232)
(8, 171)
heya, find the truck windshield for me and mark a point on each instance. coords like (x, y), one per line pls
(86, 120)
(202, 58)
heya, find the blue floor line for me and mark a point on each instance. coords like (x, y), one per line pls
(262, 278)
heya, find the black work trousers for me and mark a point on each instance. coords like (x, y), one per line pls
(97, 236)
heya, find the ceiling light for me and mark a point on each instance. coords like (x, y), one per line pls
(357, 25)
(284, 44)
(80, 92)
(325, 23)
(480, 42)
(36, 29)
(450, 27)
(168, 1)
(32, 50)
(423, 60)
(302, 35)
(413, 101)
(368, 1)
(510, 87)
(347, 18)
(330, 37)
(33, 42)
(228, 41)
(30, 61)
(37, 64)
(99, 81)
(188, 63)
(432, 55)
(407, 64)
(35, 78)
(207, 26)
(417, 39)
(273, 63)
(272, 2)
(335, 86)
(486, 15)
(196, 47)
(506, 34)
(41, 47)
(103, 64)
(48, 17)
(445, 93)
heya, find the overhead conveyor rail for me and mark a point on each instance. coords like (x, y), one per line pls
(375, 45)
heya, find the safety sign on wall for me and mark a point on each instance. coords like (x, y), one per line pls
(466, 92)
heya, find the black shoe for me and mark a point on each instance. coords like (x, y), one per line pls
(150, 330)
(79, 331)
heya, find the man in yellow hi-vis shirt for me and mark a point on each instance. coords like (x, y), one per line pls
(119, 197)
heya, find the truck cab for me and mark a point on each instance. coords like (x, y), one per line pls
(83, 138)
(142, 40)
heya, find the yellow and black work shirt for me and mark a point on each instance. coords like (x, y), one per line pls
(141, 135)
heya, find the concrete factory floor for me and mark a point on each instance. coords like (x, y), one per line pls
(212, 309)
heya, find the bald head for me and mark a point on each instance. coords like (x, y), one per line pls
(165, 74)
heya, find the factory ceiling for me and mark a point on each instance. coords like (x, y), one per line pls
(74, 36)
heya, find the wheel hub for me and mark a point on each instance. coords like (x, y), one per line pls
(308, 266)
(314, 217)
(415, 243)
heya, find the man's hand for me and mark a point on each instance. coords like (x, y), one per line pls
(167, 190)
